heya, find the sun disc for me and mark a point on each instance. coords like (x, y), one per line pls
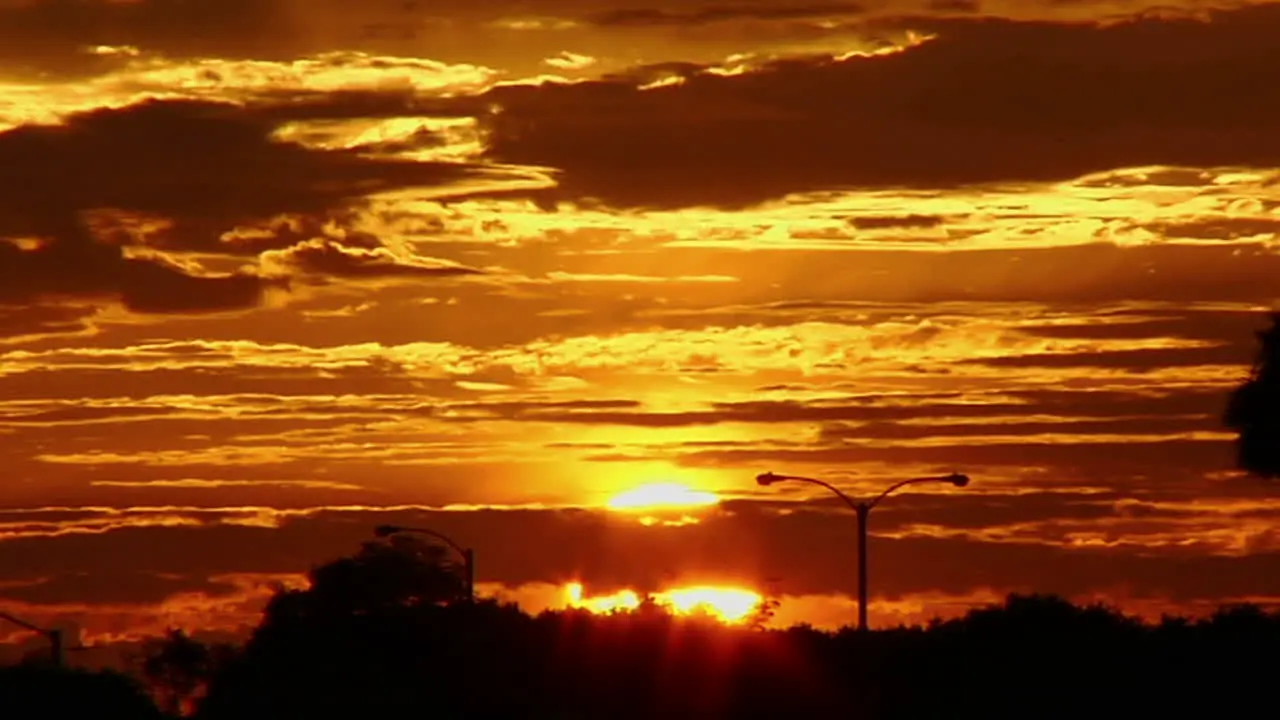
(661, 495)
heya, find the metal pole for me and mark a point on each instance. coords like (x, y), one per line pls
(864, 511)
(469, 557)
(53, 636)
(55, 647)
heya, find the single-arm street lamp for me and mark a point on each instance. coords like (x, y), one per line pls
(468, 556)
(54, 637)
(863, 509)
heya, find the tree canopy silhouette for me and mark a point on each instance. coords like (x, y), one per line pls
(399, 572)
(1033, 655)
(178, 668)
(379, 634)
(38, 692)
(1253, 411)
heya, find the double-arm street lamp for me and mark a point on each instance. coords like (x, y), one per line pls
(468, 556)
(863, 509)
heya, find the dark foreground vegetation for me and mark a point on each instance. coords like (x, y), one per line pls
(387, 633)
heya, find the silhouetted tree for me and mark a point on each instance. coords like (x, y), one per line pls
(40, 692)
(366, 638)
(399, 572)
(179, 668)
(1254, 409)
(334, 651)
(763, 613)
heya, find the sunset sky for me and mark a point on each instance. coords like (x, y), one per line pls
(273, 272)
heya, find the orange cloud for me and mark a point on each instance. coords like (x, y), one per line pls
(670, 147)
(462, 291)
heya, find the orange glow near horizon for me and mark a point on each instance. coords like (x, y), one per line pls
(656, 496)
(727, 604)
(621, 600)
(559, 280)
(730, 604)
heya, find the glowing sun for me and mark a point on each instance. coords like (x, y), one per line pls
(661, 495)
(728, 604)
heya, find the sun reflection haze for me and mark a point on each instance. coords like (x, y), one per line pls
(728, 604)
(661, 495)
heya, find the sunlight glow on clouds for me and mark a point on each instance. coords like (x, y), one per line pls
(726, 604)
(147, 76)
(661, 495)
(561, 282)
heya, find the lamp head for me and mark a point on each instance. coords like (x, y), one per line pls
(958, 479)
(386, 530)
(767, 479)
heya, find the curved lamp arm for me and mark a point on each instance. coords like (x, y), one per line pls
(389, 530)
(770, 478)
(23, 623)
(954, 478)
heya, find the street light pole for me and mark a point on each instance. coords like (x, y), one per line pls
(467, 554)
(863, 511)
(469, 568)
(54, 637)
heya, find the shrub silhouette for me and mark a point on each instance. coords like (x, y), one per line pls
(178, 668)
(1253, 411)
(38, 692)
(1033, 656)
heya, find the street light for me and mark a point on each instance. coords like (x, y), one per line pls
(468, 556)
(54, 636)
(863, 509)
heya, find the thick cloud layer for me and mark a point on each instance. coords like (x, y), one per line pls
(192, 171)
(984, 101)
(579, 247)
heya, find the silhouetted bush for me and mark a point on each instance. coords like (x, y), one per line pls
(402, 644)
(336, 651)
(40, 692)
(1034, 656)
(1254, 409)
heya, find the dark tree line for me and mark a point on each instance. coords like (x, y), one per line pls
(377, 637)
